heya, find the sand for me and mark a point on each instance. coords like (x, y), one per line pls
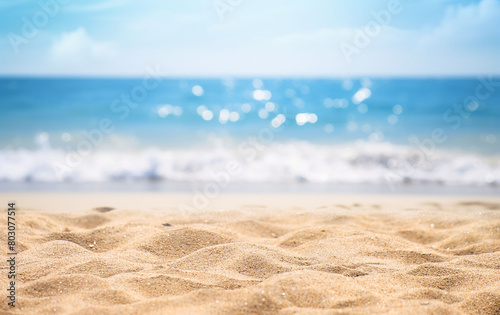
(255, 254)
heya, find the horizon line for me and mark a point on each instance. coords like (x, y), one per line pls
(250, 77)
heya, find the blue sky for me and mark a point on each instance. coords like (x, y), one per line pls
(250, 38)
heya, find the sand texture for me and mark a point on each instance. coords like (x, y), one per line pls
(301, 254)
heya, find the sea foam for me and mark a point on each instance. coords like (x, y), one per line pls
(294, 161)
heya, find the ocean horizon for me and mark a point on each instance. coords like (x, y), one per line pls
(360, 132)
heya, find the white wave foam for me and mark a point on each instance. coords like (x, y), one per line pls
(360, 162)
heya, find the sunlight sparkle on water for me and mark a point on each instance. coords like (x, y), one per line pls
(361, 95)
(278, 120)
(262, 95)
(197, 90)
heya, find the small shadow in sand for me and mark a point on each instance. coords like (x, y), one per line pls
(104, 209)
(167, 224)
(487, 205)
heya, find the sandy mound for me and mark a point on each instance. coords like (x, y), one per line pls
(356, 258)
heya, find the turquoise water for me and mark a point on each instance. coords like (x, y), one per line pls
(354, 131)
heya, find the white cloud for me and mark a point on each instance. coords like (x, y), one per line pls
(79, 46)
(463, 26)
(465, 42)
(461, 40)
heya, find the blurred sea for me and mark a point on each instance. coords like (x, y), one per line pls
(372, 133)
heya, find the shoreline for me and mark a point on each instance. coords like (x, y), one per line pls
(157, 201)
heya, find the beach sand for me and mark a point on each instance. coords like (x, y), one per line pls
(121, 253)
